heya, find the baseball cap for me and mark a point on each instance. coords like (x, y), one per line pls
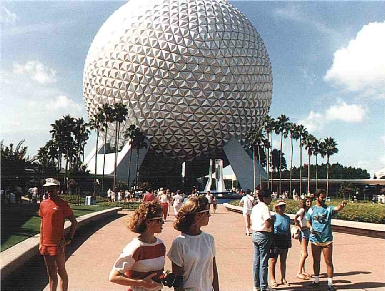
(280, 203)
(51, 182)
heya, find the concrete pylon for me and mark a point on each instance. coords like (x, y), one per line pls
(242, 164)
(122, 162)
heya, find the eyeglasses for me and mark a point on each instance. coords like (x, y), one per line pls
(204, 211)
(159, 219)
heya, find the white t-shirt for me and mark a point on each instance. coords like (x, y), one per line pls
(259, 215)
(178, 199)
(303, 221)
(140, 259)
(247, 201)
(195, 254)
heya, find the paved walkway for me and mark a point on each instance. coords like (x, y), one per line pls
(359, 262)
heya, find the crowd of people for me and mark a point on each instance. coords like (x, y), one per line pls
(193, 252)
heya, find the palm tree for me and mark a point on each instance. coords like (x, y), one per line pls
(302, 133)
(62, 134)
(138, 143)
(120, 112)
(316, 152)
(130, 134)
(107, 112)
(294, 135)
(256, 140)
(329, 148)
(268, 126)
(282, 128)
(96, 123)
(309, 145)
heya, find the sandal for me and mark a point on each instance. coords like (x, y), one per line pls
(273, 284)
(302, 277)
(285, 283)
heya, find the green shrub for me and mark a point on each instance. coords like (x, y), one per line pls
(362, 211)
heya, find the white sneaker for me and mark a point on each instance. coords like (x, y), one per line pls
(256, 289)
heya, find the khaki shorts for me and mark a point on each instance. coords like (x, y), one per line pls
(322, 244)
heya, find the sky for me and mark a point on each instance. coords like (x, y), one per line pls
(327, 59)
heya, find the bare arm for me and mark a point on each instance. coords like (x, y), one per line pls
(340, 207)
(41, 234)
(215, 279)
(178, 271)
(66, 241)
(296, 222)
(121, 279)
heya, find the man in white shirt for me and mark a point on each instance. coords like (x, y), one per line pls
(261, 224)
(247, 203)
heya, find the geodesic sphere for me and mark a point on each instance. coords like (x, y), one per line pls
(193, 74)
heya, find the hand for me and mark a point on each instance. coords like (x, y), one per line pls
(64, 242)
(343, 203)
(149, 283)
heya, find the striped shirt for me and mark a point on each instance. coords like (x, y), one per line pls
(139, 259)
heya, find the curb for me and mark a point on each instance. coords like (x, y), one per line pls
(344, 226)
(19, 254)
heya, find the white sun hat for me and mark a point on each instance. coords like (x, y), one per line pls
(51, 182)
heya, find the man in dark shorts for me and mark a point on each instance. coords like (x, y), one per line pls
(53, 212)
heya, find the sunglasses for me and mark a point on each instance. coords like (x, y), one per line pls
(159, 219)
(204, 211)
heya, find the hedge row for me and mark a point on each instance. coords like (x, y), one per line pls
(363, 212)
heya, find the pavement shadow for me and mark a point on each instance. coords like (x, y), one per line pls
(32, 276)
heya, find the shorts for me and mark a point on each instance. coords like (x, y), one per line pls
(322, 244)
(248, 212)
(304, 234)
(51, 250)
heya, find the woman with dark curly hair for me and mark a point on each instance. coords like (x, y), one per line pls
(193, 252)
(142, 260)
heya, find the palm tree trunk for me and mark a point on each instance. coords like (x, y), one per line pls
(129, 168)
(104, 157)
(291, 163)
(137, 168)
(316, 171)
(308, 175)
(327, 176)
(280, 167)
(271, 159)
(259, 169)
(116, 152)
(300, 166)
(254, 167)
(96, 159)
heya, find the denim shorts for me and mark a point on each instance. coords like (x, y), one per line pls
(304, 234)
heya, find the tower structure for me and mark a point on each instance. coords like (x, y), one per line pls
(193, 75)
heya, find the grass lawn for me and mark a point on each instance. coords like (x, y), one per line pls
(361, 211)
(21, 221)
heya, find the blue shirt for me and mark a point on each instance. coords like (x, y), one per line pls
(281, 224)
(320, 219)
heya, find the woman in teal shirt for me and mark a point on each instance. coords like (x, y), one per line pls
(321, 238)
(281, 243)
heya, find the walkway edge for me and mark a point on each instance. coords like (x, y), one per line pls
(339, 225)
(19, 254)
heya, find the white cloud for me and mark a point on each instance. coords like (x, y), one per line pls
(345, 112)
(293, 12)
(29, 107)
(313, 122)
(62, 102)
(36, 71)
(6, 16)
(350, 113)
(360, 67)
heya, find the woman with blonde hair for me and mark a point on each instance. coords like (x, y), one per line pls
(193, 252)
(142, 261)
